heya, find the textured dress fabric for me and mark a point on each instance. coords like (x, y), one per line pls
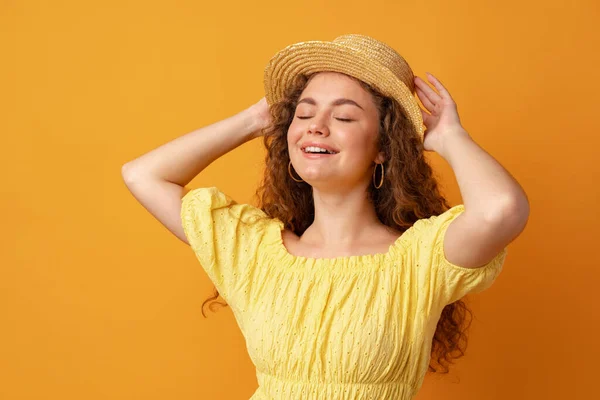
(354, 327)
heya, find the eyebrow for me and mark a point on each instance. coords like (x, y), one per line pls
(336, 102)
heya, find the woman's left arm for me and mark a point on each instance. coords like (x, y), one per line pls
(496, 206)
(486, 187)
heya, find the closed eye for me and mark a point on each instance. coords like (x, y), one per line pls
(340, 119)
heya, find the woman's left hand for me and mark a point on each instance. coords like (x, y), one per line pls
(443, 122)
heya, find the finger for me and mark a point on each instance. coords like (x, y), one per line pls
(438, 85)
(426, 102)
(428, 91)
(426, 117)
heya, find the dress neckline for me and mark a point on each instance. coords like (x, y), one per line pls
(398, 246)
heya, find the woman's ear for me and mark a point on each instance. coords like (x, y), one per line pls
(380, 157)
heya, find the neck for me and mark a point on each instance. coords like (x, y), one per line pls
(341, 219)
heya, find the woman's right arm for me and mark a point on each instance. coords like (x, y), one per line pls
(157, 179)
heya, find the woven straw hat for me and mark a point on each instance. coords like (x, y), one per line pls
(360, 56)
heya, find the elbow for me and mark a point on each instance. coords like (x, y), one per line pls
(127, 173)
(513, 212)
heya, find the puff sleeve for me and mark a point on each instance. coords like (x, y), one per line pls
(224, 236)
(443, 281)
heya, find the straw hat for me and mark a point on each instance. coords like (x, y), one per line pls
(360, 56)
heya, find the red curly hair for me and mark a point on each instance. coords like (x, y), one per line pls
(410, 192)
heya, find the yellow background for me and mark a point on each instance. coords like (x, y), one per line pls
(99, 301)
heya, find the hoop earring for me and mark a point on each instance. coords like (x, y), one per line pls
(290, 172)
(381, 181)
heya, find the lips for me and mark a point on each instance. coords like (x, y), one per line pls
(318, 152)
(315, 144)
(316, 155)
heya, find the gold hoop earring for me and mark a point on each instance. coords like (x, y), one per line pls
(381, 181)
(290, 172)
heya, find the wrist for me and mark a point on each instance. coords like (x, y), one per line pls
(250, 122)
(452, 139)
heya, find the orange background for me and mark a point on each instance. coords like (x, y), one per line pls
(99, 301)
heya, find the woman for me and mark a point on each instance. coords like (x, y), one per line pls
(347, 280)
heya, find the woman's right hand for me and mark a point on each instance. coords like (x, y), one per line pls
(262, 116)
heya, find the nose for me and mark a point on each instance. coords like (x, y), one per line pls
(317, 126)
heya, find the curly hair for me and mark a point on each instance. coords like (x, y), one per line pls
(409, 192)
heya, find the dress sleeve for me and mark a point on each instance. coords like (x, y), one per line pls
(443, 281)
(224, 236)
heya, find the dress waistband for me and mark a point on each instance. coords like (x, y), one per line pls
(272, 387)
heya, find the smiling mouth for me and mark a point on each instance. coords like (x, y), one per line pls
(328, 152)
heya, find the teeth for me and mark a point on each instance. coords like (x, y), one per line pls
(314, 149)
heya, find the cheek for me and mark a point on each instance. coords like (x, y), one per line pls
(294, 133)
(292, 141)
(357, 139)
(362, 147)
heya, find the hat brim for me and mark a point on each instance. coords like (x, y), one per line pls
(315, 56)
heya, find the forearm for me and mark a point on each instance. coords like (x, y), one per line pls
(180, 160)
(487, 188)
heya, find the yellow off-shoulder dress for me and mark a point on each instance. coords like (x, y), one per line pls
(356, 327)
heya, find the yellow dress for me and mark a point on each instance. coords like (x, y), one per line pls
(357, 327)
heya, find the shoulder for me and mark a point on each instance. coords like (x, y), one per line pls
(209, 213)
(212, 198)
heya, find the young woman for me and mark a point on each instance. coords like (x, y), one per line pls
(347, 280)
